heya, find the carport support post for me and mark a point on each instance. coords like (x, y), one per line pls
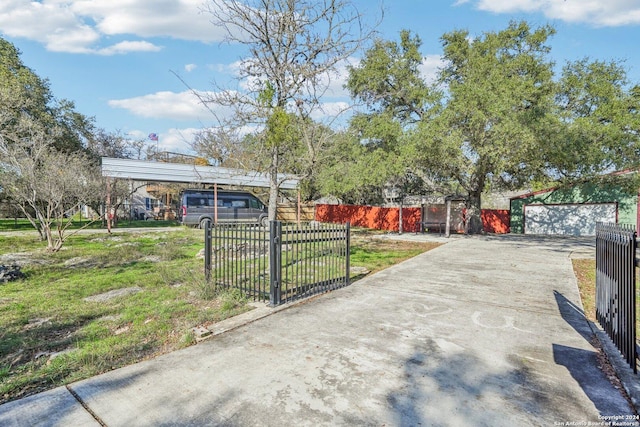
(275, 262)
(215, 203)
(108, 213)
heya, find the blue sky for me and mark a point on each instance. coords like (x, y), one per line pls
(118, 60)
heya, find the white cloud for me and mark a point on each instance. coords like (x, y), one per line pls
(178, 140)
(165, 105)
(128, 46)
(48, 23)
(190, 67)
(507, 6)
(431, 65)
(184, 106)
(78, 26)
(337, 81)
(606, 13)
(75, 40)
(181, 19)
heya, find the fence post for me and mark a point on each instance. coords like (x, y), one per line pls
(207, 250)
(347, 280)
(275, 262)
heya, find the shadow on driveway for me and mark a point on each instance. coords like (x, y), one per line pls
(583, 365)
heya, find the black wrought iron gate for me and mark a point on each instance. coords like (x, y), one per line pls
(279, 263)
(616, 286)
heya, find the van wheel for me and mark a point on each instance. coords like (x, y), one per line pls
(264, 221)
(203, 223)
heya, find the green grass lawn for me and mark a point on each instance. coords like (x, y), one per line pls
(54, 331)
(378, 254)
(20, 224)
(51, 334)
(14, 224)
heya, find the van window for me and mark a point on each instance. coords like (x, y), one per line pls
(242, 203)
(193, 202)
(255, 204)
(198, 201)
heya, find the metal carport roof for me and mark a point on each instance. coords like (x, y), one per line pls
(140, 170)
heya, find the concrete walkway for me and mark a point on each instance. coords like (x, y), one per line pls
(483, 331)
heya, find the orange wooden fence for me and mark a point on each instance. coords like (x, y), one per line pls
(370, 216)
(494, 221)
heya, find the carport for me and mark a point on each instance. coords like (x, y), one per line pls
(141, 170)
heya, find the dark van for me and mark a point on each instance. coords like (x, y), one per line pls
(198, 206)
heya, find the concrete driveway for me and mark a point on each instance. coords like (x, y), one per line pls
(482, 331)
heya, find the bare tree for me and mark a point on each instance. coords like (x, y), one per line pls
(295, 49)
(46, 184)
(102, 143)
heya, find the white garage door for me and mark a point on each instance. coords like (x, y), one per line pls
(575, 220)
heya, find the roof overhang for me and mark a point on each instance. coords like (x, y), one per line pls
(573, 184)
(140, 170)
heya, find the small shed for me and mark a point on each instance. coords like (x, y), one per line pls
(573, 210)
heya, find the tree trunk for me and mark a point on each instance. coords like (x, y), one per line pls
(474, 219)
(49, 235)
(108, 208)
(273, 185)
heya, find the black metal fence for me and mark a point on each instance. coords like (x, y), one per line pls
(616, 286)
(280, 263)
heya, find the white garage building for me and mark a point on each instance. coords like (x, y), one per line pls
(573, 210)
(569, 219)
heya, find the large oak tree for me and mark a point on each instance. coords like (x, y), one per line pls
(496, 117)
(499, 89)
(595, 127)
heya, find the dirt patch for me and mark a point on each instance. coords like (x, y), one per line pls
(36, 323)
(358, 270)
(80, 262)
(23, 259)
(113, 294)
